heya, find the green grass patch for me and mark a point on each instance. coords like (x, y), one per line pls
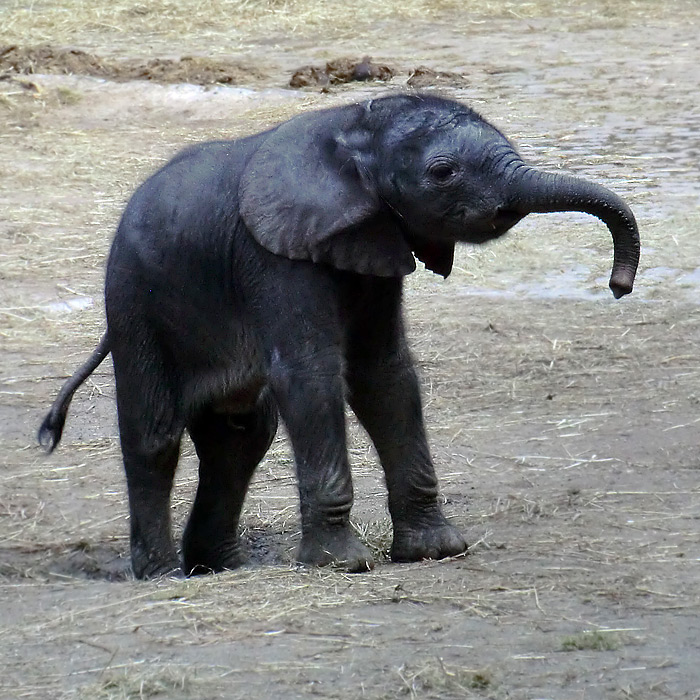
(591, 641)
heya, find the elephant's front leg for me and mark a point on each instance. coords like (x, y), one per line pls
(384, 394)
(309, 394)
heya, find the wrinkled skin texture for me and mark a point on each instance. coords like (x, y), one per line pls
(262, 277)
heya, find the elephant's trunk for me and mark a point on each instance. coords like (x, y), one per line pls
(532, 190)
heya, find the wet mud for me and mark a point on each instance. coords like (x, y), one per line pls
(339, 71)
(195, 70)
(427, 78)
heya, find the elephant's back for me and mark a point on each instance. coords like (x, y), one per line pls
(190, 200)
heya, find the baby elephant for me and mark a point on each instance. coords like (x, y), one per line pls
(263, 276)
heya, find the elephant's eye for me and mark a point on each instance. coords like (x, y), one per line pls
(442, 172)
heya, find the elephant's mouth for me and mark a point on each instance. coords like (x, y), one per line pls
(492, 227)
(505, 219)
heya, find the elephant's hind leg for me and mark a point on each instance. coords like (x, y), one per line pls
(229, 446)
(150, 433)
(150, 441)
(149, 479)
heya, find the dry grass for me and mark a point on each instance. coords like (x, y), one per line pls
(227, 25)
(584, 511)
(435, 677)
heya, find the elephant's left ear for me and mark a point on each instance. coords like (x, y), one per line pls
(437, 256)
(306, 194)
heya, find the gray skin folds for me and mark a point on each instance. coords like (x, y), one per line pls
(261, 278)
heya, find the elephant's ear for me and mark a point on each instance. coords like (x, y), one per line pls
(306, 194)
(437, 256)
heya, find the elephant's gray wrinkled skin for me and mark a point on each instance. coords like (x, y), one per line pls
(263, 276)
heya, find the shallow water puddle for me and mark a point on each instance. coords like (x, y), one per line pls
(576, 284)
(573, 284)
(102, 100)
(66, 306)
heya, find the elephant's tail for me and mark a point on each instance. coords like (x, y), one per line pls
(52, 428)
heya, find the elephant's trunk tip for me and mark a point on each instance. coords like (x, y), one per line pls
(621, 282)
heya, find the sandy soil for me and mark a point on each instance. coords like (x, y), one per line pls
(564, 424)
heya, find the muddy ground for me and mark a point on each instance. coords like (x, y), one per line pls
(564, 424)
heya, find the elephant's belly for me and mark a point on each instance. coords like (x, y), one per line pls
(240, 400)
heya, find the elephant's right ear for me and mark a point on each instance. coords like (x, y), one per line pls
(307, 194)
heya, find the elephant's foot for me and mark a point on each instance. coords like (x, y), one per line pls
(429, 537)
(206, 555)
(148, 566)
(338, 547)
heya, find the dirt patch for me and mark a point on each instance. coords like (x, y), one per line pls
(196, 70)
(79, 560)
(190, 69)
(339, 71)
(423, 78)
(48, 59)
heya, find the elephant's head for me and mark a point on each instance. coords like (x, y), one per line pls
(366, 186)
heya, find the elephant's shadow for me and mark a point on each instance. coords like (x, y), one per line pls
(105, 560)
(108, 560)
